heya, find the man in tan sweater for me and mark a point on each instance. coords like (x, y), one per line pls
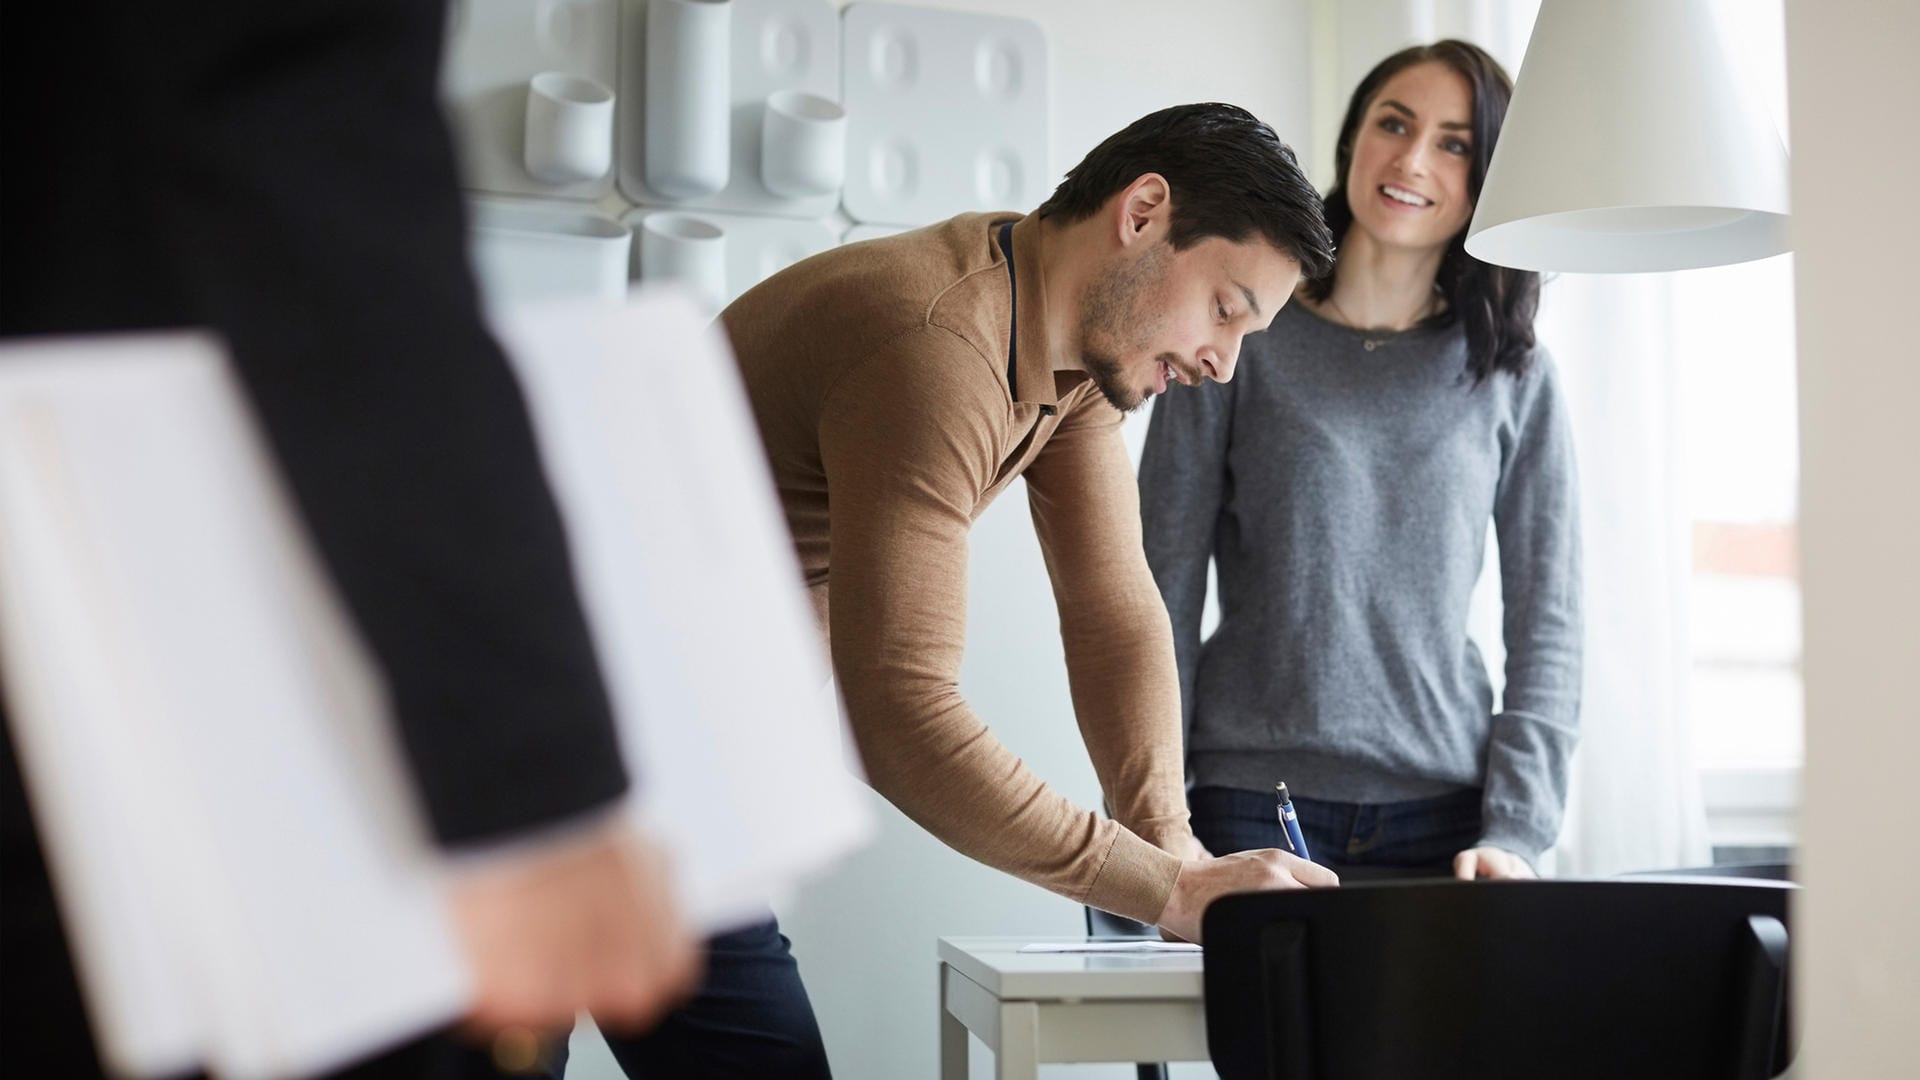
(901, 384)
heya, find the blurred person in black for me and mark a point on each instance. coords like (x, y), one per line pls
(280, 172)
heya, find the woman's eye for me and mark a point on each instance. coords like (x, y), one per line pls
(1455, 146)
(1393, 124)
(1220, 310)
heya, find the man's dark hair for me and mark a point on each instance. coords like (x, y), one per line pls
(1230, 176)
(1497, 304)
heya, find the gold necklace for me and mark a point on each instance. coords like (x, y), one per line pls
(1393, 335)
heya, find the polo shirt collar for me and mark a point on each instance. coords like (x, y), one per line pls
(1033, 354)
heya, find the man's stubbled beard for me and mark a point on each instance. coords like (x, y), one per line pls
(1114, 322)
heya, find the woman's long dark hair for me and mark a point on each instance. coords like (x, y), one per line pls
(1497, 304)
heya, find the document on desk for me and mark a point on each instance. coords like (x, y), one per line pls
(237, 847)
(1144, 945)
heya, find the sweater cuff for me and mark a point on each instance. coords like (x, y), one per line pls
(1136, 880)
(1173, 835)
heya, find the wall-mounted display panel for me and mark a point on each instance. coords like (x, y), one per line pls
(494, 50)
(947, 113)
(756, 247)
(774, 45)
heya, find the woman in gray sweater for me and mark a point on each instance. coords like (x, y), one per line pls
(1343, 484)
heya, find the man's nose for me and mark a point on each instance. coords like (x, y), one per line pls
(1218, 363)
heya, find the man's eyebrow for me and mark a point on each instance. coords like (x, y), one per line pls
(1252, 303)
(1450, 125)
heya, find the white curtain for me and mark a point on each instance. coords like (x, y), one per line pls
(1635, 799)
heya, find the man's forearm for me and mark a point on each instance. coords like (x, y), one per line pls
(931, 756)
(1126, 695)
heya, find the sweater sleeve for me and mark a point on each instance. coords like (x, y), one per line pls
(1536, 517)
(906, 458)
(1183, 486)
(1126, 692)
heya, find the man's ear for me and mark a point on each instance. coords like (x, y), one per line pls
(1143, 209)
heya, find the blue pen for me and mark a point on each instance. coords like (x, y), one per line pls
(1291, 823)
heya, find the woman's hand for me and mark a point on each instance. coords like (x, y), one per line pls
(1490, 862)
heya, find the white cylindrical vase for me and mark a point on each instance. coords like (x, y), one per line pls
(569, 134)
(688, 107)
(688, 250)
(803, 145)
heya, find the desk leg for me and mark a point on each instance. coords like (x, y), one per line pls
(1018, 1055)
(953, 1038)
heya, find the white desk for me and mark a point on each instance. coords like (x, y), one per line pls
(1031, 1008)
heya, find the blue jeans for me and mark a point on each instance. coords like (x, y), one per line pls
(1358, 841)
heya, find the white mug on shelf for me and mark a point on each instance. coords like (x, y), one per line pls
(688, 109)
(803, 145)
(687, 249)
(569, 128)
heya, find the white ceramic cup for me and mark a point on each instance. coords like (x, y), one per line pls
(803, 145)
(569, 128)
(685, 249)
(689, 145)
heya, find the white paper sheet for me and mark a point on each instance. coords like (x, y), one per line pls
(1144, 946)
(695, 598)
(236, 848)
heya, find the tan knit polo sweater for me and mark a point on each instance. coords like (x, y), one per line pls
(879, 373)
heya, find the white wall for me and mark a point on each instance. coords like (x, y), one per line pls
(1857, 935)
(865, 936)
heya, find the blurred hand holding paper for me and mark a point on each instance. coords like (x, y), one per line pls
(244, 872)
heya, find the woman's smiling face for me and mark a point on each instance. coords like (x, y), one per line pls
(1408, 183)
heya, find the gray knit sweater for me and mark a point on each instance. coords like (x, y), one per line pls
(1344, 495)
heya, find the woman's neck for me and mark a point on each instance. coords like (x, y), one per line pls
(1382, 288)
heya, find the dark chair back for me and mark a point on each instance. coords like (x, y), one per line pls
(1568, 979)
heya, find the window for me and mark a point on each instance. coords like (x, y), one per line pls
(1735, 329)
(1738, 412)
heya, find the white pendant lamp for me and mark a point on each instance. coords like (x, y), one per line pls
(1631, 146)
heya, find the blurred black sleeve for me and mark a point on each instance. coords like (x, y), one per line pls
(279, 170)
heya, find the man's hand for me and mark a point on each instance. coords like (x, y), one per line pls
(1490, 862)
(583, 924)
(1202, 881)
